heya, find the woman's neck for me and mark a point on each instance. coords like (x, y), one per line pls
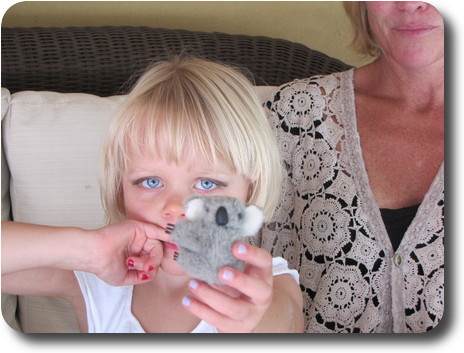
(418, 88)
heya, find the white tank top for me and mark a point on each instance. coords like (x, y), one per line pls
(109, 308)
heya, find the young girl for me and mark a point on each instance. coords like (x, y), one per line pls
(189, 126)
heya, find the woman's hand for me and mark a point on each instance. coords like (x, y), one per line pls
(128, 253)
(241, 304)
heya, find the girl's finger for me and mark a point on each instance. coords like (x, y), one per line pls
(205, 313)
(258, 260)
(257, 290)
(231, 292)
(227, 306)
(219, 303)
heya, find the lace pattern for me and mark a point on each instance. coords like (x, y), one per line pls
(329, 227)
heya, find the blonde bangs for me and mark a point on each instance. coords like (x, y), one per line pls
(173, 126)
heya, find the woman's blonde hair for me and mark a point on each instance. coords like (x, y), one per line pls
(363, 39)
(209, 107)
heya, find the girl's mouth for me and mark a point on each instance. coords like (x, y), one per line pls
(171, 246)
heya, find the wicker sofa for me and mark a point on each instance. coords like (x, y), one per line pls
(61, 86)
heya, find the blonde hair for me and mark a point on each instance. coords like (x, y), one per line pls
(363, 39)
(210, 107)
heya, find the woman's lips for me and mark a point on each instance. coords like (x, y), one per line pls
(413, 29)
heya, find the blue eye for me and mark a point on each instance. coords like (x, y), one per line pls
(151, 183)
(206, 184)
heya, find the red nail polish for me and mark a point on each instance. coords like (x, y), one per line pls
(150, 268)
(144, 277)
(130, 263)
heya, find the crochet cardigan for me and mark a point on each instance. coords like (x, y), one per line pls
(329, 227)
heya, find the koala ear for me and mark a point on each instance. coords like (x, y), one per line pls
(194, 209)
(253, 220)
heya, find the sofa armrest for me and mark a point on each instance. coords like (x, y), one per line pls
(6, 202)
(9, 302)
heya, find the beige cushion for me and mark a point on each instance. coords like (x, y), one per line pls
(6, 97)
(52, 145)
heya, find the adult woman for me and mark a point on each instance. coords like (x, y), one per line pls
(363, 201)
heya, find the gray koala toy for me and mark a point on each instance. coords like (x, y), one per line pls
(213, 224)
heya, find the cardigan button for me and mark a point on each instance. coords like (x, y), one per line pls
(398, 260)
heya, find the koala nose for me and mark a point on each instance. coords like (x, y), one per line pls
(221, 216)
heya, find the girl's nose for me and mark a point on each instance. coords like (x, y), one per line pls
(411, 6)
(173, 208)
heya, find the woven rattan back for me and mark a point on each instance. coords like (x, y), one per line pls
(100, 60)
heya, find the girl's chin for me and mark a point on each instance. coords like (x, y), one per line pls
(170, 266)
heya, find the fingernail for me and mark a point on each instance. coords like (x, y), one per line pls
(193, 284)
(130, 263)
(150, 268)
(227, 275)
(241, 249)
(144, 277)
(186, 301)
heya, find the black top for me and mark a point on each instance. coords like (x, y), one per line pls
(397, 222)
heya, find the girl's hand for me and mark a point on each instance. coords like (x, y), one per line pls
(128, 253)
(241, 304)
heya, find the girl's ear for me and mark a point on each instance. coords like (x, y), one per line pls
(253, 220)
(194, 209)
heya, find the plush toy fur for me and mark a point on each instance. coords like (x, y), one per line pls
(212, 226)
